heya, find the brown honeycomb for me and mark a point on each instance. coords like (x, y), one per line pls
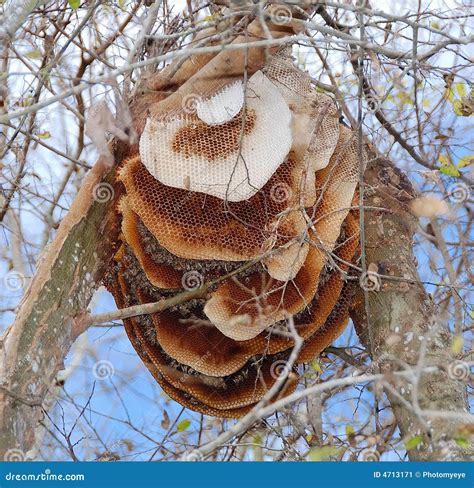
(160, 275)
(294, 239)
(230, 393)
(200, 345)
(193, 225)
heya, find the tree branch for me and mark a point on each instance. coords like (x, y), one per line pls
(406, 333)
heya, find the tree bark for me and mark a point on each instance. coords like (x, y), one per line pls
(33, 349)
(400, 328)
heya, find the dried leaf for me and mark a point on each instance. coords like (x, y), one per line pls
(101, 123)
(165, 423)
(373, 268)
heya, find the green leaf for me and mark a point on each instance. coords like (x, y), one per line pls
(461, 89)
(444, 159)
(405, 98)
(316, 367)
(466, 161)
(450, 170)
(413, 442)
(349, 430)
(74, 4)
(34, 54)
(462, 442)
(183, 425)
(458, 108)
(449, 94)
(257, 440)
(322, 453)
(456, 345)
(43, 135)
(447, 167)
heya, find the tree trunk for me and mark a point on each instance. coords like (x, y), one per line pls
(34, 347)
(400, 327)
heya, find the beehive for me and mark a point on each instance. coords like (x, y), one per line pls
(255, 177)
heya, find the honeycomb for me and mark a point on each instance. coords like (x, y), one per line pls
(223, 106)
(232, 160)
(253, 188)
